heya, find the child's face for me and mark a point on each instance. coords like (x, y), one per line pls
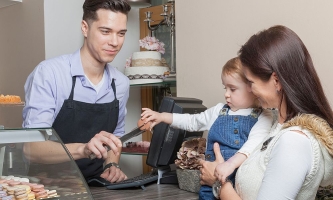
(238, 94)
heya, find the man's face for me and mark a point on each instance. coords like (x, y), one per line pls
(105, 36)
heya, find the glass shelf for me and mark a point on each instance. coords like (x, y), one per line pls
(135, 151)
(5, 3)
(162, 84)
(13, 104)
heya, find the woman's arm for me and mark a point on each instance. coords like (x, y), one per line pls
(258, 132)
(223, 170)
(290, 162)
(227, 192)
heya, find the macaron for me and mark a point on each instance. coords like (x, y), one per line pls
(51, 193)
(144, 126)
(22, 196)
(3, 194)
(41, 194)
(7, 198)
(37, 188)
(27, 188)
(10, 190)
(24, 180)
(31, 195)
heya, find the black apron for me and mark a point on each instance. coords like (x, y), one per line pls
(78, 122)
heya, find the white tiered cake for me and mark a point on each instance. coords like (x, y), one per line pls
(146, 67)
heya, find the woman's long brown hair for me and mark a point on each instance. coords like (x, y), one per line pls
(279, 49)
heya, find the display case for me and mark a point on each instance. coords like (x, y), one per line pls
(17, 166)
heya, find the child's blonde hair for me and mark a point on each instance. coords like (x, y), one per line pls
(232, 67)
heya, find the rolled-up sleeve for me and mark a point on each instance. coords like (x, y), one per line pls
(39, 110)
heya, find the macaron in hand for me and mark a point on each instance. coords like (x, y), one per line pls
(146, 126)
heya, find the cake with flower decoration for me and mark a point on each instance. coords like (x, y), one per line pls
(147, 66)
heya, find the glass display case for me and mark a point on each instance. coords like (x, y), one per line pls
(60, 181)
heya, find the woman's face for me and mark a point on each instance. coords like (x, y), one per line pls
(266, 91)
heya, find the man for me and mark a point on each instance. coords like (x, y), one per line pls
(82, 97)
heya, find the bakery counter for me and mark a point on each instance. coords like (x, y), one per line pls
(152, 191)
(40, 181)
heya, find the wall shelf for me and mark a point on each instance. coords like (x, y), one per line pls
(5, 3)
(163, 84)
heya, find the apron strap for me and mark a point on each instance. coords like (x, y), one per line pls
(113, 85)
(71, 96)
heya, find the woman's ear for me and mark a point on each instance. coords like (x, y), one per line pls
(276, 82)
(84, 28)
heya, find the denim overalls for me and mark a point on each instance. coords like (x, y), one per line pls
(231, 132)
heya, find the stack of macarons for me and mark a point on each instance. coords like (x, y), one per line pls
(17, 190)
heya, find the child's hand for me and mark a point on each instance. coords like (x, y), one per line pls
(152, 116)
(223, 170)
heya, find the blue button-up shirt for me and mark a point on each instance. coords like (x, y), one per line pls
(51, 82)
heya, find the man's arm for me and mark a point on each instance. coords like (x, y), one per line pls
(113, 173)
(50, 152)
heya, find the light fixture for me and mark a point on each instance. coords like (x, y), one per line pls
(140, 3)
(169, 20)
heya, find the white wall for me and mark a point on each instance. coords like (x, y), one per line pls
(21, 49)
(209, 33)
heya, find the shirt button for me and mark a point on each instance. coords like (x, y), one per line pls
(236, 119)
(208, 156)
(236, 131)
(236, 142)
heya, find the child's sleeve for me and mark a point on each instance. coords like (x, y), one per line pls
(196, 122)
(258, 132)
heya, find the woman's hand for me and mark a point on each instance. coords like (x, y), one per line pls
(223, 170)
(208, 168)
(97, 145)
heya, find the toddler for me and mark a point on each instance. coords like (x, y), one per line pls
(238, 126)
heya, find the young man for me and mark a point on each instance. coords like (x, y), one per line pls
(82, 97)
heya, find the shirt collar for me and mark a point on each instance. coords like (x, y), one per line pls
(76, 64)
(77, 68)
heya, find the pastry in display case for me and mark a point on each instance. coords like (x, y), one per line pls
(10, 99)
(24, 178)
(11, 107)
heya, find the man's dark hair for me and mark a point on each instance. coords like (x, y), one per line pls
(91, 6)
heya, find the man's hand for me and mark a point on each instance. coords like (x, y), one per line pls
(97, 143)
(208, 168)
(113, 174)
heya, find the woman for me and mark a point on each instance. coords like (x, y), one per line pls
(296, 156)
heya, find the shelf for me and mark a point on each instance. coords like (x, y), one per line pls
(135, 151)
(162, 84)
(22, 104)
(5, 3)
